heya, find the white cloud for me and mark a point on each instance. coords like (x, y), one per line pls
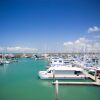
(68, 43)
(82, 45)
(1, 49)
(81, 41)
(19, 49)
(97, 36)
(93, 29)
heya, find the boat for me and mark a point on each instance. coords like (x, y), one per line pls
(6, 62)
(57, 61)
(1, 62)
(62, 73)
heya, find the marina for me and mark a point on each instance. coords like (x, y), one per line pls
(49, 49)
(19, 80)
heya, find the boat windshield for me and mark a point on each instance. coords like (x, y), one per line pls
(48, 71)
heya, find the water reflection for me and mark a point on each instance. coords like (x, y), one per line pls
(3, 68)
(46, 83)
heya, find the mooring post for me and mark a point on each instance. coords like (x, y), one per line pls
(56, 83)
(53, 75)
(95, 74)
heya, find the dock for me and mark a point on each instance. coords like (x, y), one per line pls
(94, 78)
(77, 83)
(96, 81)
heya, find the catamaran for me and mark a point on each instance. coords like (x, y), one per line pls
(62, 73)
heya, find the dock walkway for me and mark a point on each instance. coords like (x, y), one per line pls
(77, 83)
(95, 79)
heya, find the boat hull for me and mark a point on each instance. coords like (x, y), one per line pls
(45, 76)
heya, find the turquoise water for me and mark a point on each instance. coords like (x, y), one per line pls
(19, 81)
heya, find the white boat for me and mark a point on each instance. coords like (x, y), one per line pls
(62, 73)
(56, 62)
(6, 62)
(1, 62)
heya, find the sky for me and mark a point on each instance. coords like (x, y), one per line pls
(47, 24)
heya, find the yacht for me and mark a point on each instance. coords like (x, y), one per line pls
(6, 62)
(57, 61)
(1, 62)
(62, 72)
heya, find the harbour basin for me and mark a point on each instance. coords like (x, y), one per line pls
(19, 81)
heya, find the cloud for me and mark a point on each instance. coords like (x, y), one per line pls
(81, 41)
(97, 36)
(19, 49)
(68, 43)
(78, 42)
(1, 49)
(93, 29)
(82, 45)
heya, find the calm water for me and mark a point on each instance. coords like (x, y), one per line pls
(19, 81)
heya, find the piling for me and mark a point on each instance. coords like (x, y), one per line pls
(56, 89)
(53, 75)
